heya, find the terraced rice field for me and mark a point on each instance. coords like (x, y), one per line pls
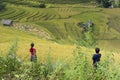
(61, 22)
(27, 14)
(57, 51)
(55, 32)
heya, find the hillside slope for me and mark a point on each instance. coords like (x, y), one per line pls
(24, 39)
(60, 22)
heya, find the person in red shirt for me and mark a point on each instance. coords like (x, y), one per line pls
(33, 53)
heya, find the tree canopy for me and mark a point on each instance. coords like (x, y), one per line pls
(2, 5)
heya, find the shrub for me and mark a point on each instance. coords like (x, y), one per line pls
(2, 6)
(89, 38)
(2, 67)
(41, 71)
(42, 5)
(11, 63)
(104, 3)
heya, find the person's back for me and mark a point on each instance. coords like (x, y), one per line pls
(33, 52)
(96, 57)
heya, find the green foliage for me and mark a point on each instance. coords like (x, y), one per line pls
(38, 70)
(11, 63)
(65, 1)
(42, 5)
(2, 6)
(35, 3)
(88, 39)
(105, 3)
(79, 68)
(98, 1)
(2, 67)
(49, 65)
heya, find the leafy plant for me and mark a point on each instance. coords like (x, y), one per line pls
(11, 63)
(89, 39)
(42, 5)
(2, 6)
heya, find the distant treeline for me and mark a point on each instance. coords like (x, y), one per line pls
(36, 3)
(65, 1)
(2, 5)
(52, 1)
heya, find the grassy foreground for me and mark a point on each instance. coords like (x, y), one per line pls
(55, 61)
(78, 67)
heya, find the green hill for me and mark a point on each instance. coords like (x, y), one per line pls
(58, 22)
(23, 39)
(64, 46)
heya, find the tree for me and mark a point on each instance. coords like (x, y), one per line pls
(104, 3)
(98, 1)
(2, 6)
(42, 5)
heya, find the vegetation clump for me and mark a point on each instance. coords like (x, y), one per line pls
(79, 68)
(2, 7)
(42, 5)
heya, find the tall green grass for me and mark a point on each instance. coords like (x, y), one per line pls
(78, 68)
(11, 63)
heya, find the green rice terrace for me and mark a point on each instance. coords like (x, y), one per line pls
(65, 34)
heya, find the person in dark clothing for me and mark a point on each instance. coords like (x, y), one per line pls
(96, 57)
